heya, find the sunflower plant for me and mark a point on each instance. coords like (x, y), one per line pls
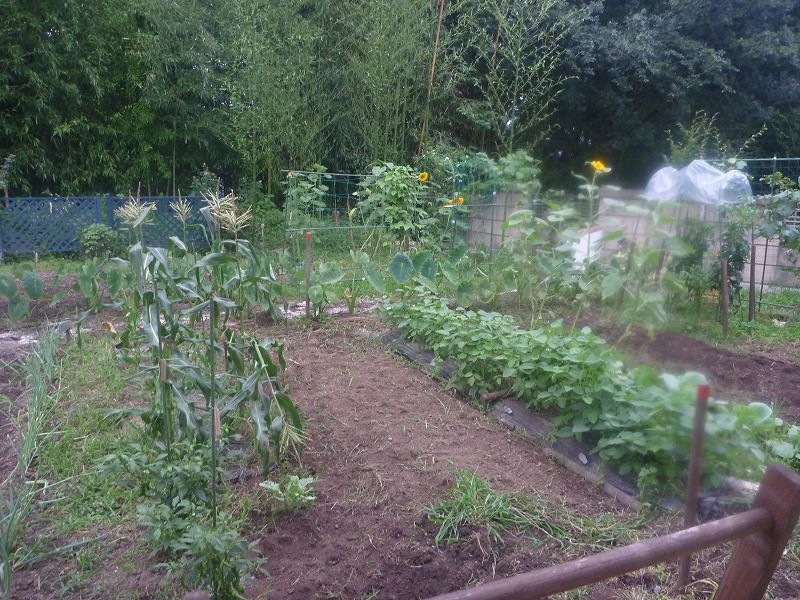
(589, 187)
(395, 196)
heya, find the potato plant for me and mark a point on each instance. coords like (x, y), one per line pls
(638, 421)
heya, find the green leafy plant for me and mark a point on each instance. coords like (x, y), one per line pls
(472, 501)
(99, 239)
(637, 420)
(205, 182)
(19, 305)
(519, 172)
(214, 558)
(777, 212)
(19, 491)
(292, 493)
(321, 292)
(394, 196)
(306, 190)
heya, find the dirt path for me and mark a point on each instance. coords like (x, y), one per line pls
(384, 442)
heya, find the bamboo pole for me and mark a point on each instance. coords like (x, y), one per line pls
(723, 290)
(430, 81)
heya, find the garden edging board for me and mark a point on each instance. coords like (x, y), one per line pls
(568, 452)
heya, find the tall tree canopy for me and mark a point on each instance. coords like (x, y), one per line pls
(106, 95)
(645, 67)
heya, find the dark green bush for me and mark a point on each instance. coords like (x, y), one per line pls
(97, 239)
(269, 222)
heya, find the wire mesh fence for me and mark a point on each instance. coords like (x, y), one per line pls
(758, 168)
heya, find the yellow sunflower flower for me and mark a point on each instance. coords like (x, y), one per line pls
(598, 165)
(423, 177)
(460, 200)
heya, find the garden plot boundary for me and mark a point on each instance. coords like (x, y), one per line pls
(569, 452)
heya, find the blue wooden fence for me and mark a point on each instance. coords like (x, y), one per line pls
(54, 224)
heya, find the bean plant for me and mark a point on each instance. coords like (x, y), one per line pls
(637, 420)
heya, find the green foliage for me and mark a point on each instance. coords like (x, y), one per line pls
(735, 247)
(787, 449)
(98, 239)
(19, 305)
(636, 420)
(204, 547)
(269, 222)
(205, 182)
(5, 171)
(394, 196)
(699, 139)
(177, 466)
(473, 502)
(459, 274)
(504, 59)
(214, 558)
(292, 494)
(306, 190)
(778, 207)
(127, 93)
(519, 172)
(182, 473)
(19, 490)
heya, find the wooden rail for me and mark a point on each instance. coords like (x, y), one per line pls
(763, 532)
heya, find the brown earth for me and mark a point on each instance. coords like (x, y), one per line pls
(384, 443)
(766, 372)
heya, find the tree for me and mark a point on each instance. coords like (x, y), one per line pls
(53, 80)
(646, 67)
(381, 94)
(98, 95)
(502, 57)
(278, 103)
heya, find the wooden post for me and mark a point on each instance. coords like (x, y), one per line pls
(763, 532)
(693, 478)
(751, 297)
(723, 290)
(308, 274)
(756, 556)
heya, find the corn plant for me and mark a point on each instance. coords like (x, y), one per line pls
(202, 373)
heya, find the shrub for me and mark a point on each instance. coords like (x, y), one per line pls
(97, 239)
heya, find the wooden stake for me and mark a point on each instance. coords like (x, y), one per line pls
(751, 298)
(693, 478)
(723, 290)
(308, 274)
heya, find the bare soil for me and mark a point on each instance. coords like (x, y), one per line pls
(384, 443)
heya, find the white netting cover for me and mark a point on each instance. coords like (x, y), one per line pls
(699, 182)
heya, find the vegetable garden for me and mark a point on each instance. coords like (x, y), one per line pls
(185, 435)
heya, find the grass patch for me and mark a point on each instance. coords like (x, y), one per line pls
(80, 435)
(51, 263)
(471, 501)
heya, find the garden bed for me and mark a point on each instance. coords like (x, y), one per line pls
(384, 443)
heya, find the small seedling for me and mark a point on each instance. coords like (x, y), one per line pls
(296, 492)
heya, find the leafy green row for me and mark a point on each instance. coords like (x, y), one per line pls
(638, 420)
